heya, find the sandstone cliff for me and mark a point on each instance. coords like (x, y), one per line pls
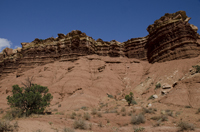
(170, 37)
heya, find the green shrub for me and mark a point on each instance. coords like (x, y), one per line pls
(110, 96)
(158, 86)
(138, 119)
(197, 67)
(31, 99)
(151, 97)
(129, 98)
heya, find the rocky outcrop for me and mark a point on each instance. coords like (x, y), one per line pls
(136, 48)
(112, 48)
(172, 37)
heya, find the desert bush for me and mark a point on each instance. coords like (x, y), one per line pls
(150, 110)
(39, 130)
(169, 112)
(185, 126)
(99, 114)
(129, 113)
(79, 114)
(1, 110)
(84, 108)
(31, 99)
(113, 111)
(197, 68)
(124, 114)
(5, 126)
(123, 109)
(151, 97)
(73, 115)
(160, 118)
(12, 114)
(80, 124)
(187, 106)
(110, 96)
(86, 116)
(137, 119)
(139, 129)
(100, 124)
(68, 130)
(129, 98)
(158, 86)
(90, 126)
(198, 111)
(133, 102)
(177, 113)
(94, 112)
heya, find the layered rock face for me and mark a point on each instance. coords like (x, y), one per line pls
(136, 48)
(172, 37)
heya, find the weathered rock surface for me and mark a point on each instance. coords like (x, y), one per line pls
(136, 48)
(170, 38)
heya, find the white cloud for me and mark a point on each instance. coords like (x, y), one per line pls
(4, 43)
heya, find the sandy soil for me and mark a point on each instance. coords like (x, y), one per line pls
(87, 83)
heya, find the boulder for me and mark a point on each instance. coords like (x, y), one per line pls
(61, 36)
(166, 86)
(195, 28)
(155, 96)
(8, 51)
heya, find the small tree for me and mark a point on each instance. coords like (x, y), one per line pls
(32, 99)
(129, 98)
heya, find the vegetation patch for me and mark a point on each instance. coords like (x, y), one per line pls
(198, 111)
(86, 116)
(158, 86)
(160, 118)
(139, 129)
(30, 99)
(151, 97)
(150, 110)
(186, 126)
(80, 124)
(129, 98)
(6, 126)
(68, 130)
(73, 115)
(138, 119)
(197, 68)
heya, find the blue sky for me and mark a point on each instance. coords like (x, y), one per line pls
(25, 20)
